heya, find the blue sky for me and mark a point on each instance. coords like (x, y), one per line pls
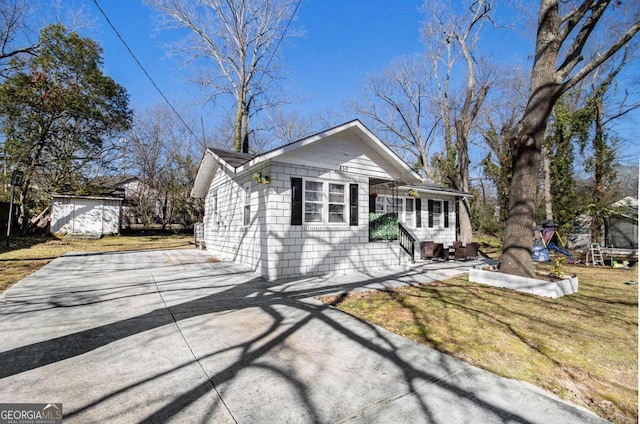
(343, 41)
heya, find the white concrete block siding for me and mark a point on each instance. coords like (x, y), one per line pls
(274, 248)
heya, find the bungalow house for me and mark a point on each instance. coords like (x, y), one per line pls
(330, 203)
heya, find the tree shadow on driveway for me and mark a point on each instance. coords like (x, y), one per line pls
(271, 353)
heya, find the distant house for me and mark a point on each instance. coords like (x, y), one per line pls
(140, 203)
(621, 224)
(323, 204)
(97, 215)
(620, 227)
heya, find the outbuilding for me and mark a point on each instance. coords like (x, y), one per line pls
(86, 215)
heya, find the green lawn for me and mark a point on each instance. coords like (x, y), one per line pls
(582, 347)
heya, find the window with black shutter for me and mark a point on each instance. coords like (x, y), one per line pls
(446, 214)
(430, 212)
(296, 201)
(418, 213)
(353, 204)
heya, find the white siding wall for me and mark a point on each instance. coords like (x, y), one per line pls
(225, 235)
(276, 249)
(295, 250)
(346, 151)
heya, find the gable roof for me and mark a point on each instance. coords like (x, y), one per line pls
(233, 159)
(353, 127)
(240, 162)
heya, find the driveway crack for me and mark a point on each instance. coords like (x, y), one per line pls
(193, 354)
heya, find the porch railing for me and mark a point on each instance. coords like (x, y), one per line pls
(407, 242)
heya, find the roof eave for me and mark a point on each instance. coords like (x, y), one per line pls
(206, 172)
(436, 190)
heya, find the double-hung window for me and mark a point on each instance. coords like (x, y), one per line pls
(438, 213)
(410, 214)
(313, 201)
(336, 203)
(324, 202)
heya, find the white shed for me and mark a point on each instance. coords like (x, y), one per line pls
(85, 214)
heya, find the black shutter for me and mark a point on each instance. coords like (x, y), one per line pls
(418, 213)
(296, 201)
(372, 203)
(430, 206)
(353, 204)
(446, 214)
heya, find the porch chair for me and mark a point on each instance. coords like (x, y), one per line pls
(431, 250)
(466, 252)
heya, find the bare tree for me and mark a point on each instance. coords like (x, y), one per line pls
(241, 39)
(398, 103)
(14, 41)
(560, 46)
(162, 154)
(280, 127)
(457, 37)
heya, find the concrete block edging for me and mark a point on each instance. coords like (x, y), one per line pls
(553, 289)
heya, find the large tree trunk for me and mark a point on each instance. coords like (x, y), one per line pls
(548, 198)
(241, 128)
(245, 130)
(547, 84)
(238, 140)
(464, 215)
(600, 147)
(527, 146)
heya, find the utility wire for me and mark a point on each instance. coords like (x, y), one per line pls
(286, 28)
(143, 69)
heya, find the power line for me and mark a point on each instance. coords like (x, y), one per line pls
(143, 69)
(286, 28)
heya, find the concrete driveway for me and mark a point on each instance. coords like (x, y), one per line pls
(170, 336)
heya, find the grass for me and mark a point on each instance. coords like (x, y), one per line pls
(583, 347)
(27, 254)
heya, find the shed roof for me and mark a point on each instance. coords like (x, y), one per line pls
(77, 196)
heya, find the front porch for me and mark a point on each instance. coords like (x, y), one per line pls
(414, 213)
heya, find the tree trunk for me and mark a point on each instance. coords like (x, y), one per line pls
(600, 147)
(245, 130)
(23, 217)
(238, 139)
(548, 199)
(464, 215)
(527, 146)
